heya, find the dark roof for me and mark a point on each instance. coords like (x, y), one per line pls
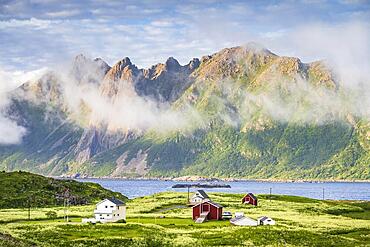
(116, 201)
(203, 193)
(210, 202)
(253, 196)
(263, 218)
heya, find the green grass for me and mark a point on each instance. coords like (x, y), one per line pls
(151, 222)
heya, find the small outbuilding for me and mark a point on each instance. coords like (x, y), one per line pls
(243, 221)
(264, 220)
(250, 199)
(207, 210)
(198, 197)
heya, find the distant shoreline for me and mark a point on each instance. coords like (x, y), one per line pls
(206, 179)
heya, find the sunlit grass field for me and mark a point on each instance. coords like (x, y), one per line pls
(164, 220)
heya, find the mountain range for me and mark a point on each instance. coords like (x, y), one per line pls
(243, 112)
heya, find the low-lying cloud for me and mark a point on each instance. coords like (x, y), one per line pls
(10, 131)
(125, 112)
(77, 90)
(9, 80)
(344, 48)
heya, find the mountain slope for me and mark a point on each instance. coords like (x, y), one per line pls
(252, 114)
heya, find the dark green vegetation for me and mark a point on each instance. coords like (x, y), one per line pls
(23, 189)
(8, 241)
(159, 220)
(259, 116)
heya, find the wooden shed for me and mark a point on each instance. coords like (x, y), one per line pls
(207, 210)
(250, 199)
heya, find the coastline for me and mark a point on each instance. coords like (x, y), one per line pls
(215, 179)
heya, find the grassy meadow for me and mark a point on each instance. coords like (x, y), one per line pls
(163, 220)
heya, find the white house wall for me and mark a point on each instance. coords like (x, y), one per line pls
(107, 211)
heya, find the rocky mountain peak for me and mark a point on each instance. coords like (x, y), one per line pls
(102, 64)
(125, 62)
(193, 64)
(172, 64)
(86, 70)
(80, 58)
(122, 70)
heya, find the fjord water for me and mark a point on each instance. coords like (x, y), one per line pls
(330, 190)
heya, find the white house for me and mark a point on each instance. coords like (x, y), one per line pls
(108, 210)
(264, 220)
(243, 221)
(198, 197)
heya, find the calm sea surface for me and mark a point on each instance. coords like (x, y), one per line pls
(332, 190)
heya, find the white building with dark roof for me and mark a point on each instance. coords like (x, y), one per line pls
(108, 210)
(264, 220)
(198, 197)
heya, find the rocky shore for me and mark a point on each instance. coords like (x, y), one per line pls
(214, 179)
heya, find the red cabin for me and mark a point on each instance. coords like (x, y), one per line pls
(250, 199)
(207, 210)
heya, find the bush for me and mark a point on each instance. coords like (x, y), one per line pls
(51, 215)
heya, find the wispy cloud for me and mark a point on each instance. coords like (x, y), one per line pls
(33, 23)
(183, 29)
(63, 13)
(10, 80)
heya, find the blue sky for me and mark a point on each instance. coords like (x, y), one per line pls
(44, 33)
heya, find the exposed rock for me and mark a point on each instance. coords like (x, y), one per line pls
(96, 140)
(85, 70)
(163, 82)
(136, 165)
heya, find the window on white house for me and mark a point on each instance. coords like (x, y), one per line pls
(117, 214)
(117, 207)
(111, 206)
(106, 206)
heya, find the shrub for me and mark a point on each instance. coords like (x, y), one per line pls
(51, 215)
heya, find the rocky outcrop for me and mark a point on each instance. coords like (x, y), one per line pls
(163, 82)
(96, 140)
(85, 70)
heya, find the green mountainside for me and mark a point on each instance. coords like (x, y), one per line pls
(23, 189)
(259, 116)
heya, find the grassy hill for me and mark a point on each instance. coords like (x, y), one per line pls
(21, 189)
(164, 220)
